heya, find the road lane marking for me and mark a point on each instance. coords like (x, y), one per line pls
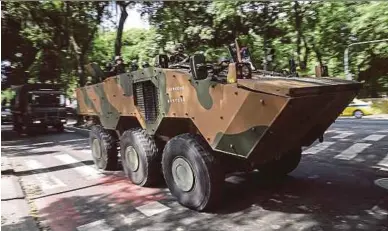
(44, 143)
(342, 135)
(130, 218)
(152, 208)
(374, 137)
(352, 151)
(318, 148)
(46, 180)
(384, 162)
(74, 140)
(88, 172)
(383, 131)
(86, 151)
(99, 225)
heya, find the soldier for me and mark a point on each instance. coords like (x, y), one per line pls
(145, 65)
(134, 65)
(179, 55)
(118, 67)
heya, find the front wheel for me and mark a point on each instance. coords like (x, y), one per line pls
(60, 127)
(281, 167)
(192, 173)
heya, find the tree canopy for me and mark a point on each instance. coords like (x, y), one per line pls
(53, 40)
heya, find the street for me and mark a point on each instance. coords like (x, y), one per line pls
(339, 185)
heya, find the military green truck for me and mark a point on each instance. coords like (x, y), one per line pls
(194, 122)
(37, 106)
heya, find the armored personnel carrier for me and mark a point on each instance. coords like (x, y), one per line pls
(193, 122)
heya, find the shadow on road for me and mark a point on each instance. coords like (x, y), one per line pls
(55, 168)
(291, 202)
(24, 223)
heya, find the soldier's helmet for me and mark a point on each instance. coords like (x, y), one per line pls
(118, 58)
(179, 47)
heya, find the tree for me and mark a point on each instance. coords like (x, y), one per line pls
(123, 16)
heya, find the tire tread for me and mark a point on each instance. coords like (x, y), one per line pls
(108, 142)
(151, 150)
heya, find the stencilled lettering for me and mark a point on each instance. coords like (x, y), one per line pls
(180, 88)
(177, 100)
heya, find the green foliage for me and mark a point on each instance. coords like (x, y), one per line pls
(56, 38)
(138, 44)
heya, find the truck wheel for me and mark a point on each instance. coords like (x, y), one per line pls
(31, 130)
(139, 157)
(286, 164)
(17, 127)
(60, 127)
(104, 148)
(192, 173)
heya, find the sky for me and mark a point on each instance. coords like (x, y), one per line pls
(133, 20)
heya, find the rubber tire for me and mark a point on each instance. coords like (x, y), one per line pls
(354, 114)
(286, 164)
(149, 170)
(208, 176)
(60, 128)
(108, 146)
(17, 127)
(31, 130)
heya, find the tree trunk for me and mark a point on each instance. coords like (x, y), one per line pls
(318, 53)
(123, 17)
(298, 27)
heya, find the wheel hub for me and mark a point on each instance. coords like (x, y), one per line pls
(183, 174)
(132, 158)
(358, 114)
(96, 150)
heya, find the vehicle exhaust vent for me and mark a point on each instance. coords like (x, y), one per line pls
(146, 99)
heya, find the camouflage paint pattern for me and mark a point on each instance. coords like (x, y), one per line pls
(248, 118)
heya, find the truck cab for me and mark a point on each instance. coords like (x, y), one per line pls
(37, 106)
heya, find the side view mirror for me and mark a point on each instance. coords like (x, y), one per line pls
(198, 66)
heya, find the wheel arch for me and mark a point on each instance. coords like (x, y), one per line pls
(171, 127)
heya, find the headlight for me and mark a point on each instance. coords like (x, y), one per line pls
(36, 122)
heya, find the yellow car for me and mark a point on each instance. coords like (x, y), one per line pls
(358, 109)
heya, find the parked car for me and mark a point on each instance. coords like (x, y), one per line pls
(358, 109)
(6, 115)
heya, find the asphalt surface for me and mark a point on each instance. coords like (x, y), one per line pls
(339, 185)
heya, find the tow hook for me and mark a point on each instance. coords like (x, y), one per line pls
(320, 139)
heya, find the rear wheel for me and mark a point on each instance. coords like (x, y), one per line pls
(192, 173)
(59, 127)
(104, 148)
(139, 157)
(281, 167)
(358, 114)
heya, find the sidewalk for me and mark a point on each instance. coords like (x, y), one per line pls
(377, 116)
(14, 207)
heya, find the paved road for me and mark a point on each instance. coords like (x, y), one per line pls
(334, 188)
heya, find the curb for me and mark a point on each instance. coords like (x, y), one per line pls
(6, 166)
(13, 188)
(376, 116)
(81, 131)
